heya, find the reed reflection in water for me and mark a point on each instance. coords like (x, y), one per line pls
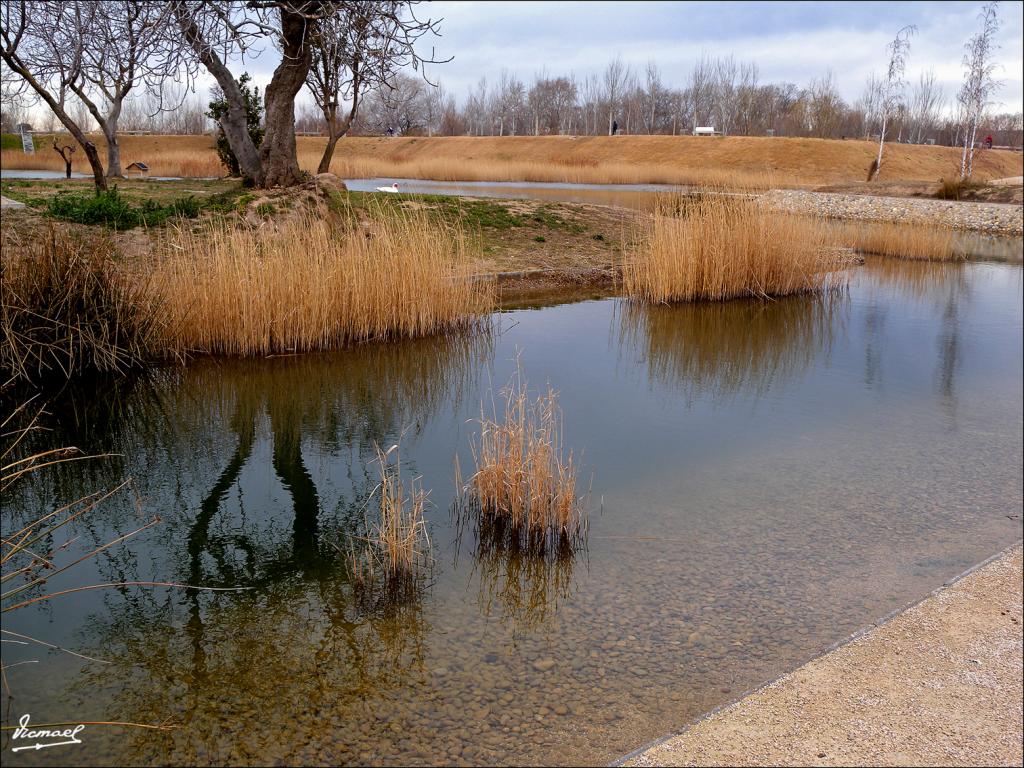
(724, 349)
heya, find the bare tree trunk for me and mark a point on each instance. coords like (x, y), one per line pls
(970, 153)
(881, 146)
(332, 141)
(334, 132)
(107, 124)
(277, 153)
(235, 123)
(113, 149)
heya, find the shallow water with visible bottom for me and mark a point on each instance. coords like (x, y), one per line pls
(765, 478)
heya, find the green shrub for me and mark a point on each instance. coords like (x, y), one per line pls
(112, 210)
(218, 110)
(188, 207)
(107, 208)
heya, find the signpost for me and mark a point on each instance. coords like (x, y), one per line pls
(27, 144)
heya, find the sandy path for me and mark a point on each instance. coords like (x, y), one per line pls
(939, 684)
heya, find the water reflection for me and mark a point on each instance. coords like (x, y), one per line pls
(724, 349)
(519, 585)
(734, 543)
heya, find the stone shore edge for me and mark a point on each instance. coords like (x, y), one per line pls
(835, 646)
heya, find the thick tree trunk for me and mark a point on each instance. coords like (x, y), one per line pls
(113, 149)
(235, 122)
(278, 154)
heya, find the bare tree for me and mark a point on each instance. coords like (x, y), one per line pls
(979, 82)
(892, 92)
(725, 92)
(357, 49)
(616, 74)
(925, 105)
(825, 107)
(123, 46)
(41, 47)
(702, 90)
(214, 31)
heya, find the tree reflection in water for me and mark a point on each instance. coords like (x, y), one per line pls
(297, 639)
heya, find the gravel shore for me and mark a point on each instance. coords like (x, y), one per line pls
(939, 684)
(994, 218)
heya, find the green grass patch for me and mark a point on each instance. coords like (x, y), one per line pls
(13, 141)
(111, 209)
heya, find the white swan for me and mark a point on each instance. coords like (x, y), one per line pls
(392, 188)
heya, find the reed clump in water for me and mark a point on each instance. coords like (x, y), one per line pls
(724, 247)
(395, 553)
(66, 308)
(523, 488)
(316, 283)
(904, 241)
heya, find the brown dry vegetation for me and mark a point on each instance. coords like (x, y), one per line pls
(396, 550)
(752, 162)
(717, 247)
(313, 284)
(523, 488)
(71, 304)
(905, 241)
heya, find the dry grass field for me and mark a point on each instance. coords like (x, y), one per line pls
(751, 162)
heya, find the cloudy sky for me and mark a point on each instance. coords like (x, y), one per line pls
(791, 41)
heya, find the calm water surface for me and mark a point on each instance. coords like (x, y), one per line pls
(766, 478)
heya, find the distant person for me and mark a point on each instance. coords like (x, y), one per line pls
(988, 142)
(391, 131)
(615, 127)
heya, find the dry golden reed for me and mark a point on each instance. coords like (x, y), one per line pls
(396, 549)
(457, 169)
(723, 247)
(523, 478)
(315, 284)
(904, 241)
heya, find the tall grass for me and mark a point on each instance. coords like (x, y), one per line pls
(396, 550)
(315, 284)
(567, 171)
(719, 247)
(67, 309)
(523, 487)
(905, 241)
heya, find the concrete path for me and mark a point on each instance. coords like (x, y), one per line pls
(939, 684)
(6, 202)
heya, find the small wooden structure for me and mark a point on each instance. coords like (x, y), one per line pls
(137, 170)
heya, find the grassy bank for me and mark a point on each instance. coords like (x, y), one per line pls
(72, 303)
(752, 162)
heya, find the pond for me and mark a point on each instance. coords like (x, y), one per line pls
(765, 479)
(639, 196)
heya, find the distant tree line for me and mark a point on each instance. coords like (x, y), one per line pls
(132, 65)
(720, 92)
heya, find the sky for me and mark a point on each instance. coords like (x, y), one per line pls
(789, 41)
